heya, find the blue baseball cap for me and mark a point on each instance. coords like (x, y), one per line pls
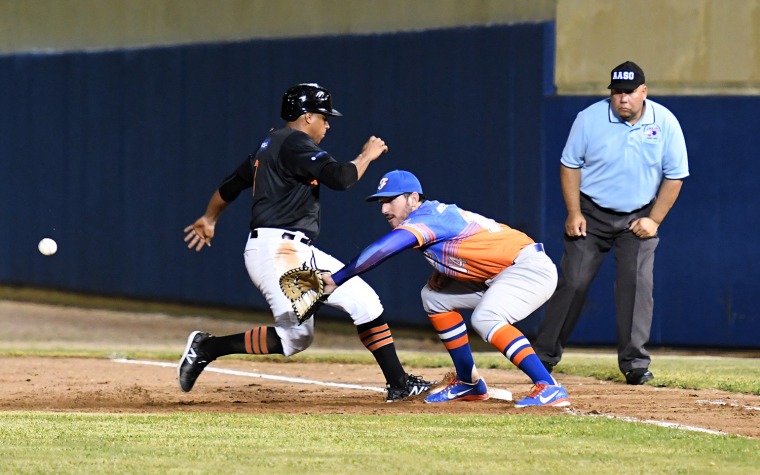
(396, 183)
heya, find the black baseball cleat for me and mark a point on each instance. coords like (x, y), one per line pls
(638, 376)
(193, 361)
(415, 386)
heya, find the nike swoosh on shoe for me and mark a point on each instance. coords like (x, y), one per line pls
(460, 393)
(544, 400)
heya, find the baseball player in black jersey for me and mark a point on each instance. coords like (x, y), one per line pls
(284, 176)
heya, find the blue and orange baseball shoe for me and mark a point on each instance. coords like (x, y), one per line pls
(460, 391)
(545, 394)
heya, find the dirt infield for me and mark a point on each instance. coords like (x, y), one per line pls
(102, 385)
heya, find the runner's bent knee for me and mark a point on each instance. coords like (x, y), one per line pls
(357, 298)
(295, 339)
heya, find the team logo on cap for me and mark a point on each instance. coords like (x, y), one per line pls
(623, 75)
(381, 185)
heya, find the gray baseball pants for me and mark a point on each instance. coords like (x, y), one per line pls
(634, 303)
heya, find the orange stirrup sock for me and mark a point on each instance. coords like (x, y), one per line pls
(451, 329)
(512, 343)
(453, 334)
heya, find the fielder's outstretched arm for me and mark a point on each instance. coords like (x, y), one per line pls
(374, 254)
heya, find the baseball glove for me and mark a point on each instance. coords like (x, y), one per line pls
(305, 289)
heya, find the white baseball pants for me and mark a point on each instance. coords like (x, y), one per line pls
(273, 252)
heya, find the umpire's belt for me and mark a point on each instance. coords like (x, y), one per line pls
(612, 211)
(280, 234)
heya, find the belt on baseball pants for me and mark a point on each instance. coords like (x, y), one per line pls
(532, 249)
(281, 233)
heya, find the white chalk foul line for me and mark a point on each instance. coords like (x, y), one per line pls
(650, 421)
(495, 393)
(720, 402)
(257, 375)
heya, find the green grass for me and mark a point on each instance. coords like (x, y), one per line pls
(687, 372)
(196, 442)
(282, 444)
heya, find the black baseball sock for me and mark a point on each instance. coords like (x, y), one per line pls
(256, 341)
(376, 336)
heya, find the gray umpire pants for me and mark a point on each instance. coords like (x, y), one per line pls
(634, 303)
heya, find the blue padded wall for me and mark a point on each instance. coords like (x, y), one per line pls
(114, 153)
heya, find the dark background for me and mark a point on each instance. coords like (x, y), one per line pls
(113, 153)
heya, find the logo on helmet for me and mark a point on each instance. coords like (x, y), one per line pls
(306, 97)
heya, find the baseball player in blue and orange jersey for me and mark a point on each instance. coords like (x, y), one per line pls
(499, 272)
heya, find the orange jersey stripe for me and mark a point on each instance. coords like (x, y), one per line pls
(421, 232)
(474, 257)
(483, 255)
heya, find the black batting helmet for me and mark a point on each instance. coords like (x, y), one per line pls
(307, 97)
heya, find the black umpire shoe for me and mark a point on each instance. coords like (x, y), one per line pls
(193, 361)
(415, 386)
(638, 376)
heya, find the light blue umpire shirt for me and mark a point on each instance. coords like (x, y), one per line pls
(622, 165)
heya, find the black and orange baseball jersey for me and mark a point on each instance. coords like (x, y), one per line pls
(285, 174)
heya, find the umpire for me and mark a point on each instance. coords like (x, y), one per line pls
(621, 172)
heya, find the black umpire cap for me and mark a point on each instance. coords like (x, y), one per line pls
(626, 76)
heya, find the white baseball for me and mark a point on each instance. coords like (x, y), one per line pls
(47, 247)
